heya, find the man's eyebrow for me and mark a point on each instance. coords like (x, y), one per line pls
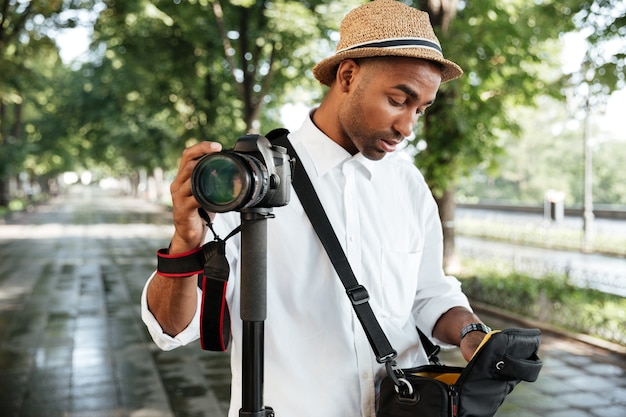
(409, 92)
(406, 90)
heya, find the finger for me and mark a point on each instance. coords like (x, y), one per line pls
(189, 160)
(199, 149)
(183, 189)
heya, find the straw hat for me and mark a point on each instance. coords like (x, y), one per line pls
(386, 28)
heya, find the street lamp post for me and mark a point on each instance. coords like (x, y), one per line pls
(588, 183)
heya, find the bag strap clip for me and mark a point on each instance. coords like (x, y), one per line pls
(358, 295)
(396, 374)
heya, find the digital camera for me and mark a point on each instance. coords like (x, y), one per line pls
(254, 173)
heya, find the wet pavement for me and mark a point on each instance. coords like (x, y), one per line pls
(72, 343)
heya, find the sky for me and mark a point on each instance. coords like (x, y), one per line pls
(73, 43)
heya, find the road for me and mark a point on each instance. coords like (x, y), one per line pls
(600, 225)
(606, 273)
(72, 343)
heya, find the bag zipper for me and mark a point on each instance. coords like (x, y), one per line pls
(454, 399)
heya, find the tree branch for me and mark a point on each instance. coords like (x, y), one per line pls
(218, 12)
(441, 12)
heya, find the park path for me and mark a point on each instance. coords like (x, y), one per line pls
(72, 343)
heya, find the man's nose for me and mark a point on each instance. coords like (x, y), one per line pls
(406, 123)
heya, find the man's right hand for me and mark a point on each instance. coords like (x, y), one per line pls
(189, 227)
(173, 301)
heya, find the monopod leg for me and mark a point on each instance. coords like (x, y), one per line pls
(253, 309)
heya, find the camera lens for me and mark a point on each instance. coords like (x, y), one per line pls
(228, 181)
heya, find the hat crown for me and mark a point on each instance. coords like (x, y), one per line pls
(382, 20)
(385, 28)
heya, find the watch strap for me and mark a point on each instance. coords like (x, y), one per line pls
(473, 327)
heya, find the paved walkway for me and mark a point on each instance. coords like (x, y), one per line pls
(72, 343)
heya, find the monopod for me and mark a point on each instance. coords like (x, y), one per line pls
(253, 309)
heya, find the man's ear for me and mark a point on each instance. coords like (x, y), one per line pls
(346, 73)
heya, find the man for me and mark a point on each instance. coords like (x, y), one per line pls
(385, 73)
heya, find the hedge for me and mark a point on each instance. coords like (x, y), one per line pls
(551, 299)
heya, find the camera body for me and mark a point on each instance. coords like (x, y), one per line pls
(254, 174)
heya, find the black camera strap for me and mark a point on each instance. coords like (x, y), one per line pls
(214, 312)
(357, 293)
(215, 319)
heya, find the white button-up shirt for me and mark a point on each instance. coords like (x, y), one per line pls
(318, 361)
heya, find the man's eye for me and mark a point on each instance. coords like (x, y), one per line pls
(395, 103)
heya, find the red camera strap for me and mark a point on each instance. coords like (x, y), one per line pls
(209, 263)
(214, 315)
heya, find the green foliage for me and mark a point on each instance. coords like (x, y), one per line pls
(164, 74)
(174, 73)
(548, 155)
(550, 299)
(29, 71)
(604, 63)
(504, 49)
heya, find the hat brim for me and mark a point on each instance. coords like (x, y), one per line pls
(325, 70)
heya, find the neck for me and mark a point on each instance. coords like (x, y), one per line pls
(325, 119)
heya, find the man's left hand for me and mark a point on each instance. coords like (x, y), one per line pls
(470, 343)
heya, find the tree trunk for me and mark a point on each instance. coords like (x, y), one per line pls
(441, 12)
(250, 56)
(4, 193)
(4, 187)
(447, 207)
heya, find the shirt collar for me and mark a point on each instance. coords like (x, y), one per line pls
(326, 154)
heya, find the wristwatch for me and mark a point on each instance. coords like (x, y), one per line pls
(472, 327)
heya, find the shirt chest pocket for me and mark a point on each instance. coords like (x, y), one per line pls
(399, 277)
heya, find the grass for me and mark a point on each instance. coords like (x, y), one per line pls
(20, 204)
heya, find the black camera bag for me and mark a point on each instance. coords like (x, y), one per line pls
(504, 359)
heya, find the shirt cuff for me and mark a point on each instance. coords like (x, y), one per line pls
(161, 339)
(432, 310)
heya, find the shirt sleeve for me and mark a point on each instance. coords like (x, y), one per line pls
(429, 309)
(437, 292)
(161, 339)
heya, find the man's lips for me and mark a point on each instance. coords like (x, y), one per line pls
(389, 145)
